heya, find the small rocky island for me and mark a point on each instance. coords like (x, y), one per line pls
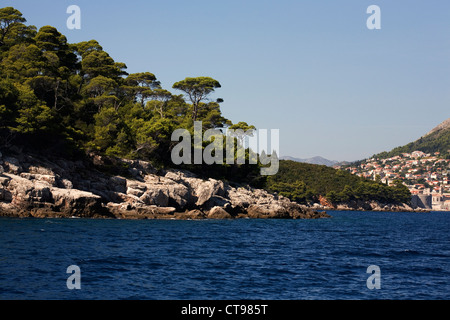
(50, 187)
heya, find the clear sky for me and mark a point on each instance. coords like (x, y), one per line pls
(310, 68)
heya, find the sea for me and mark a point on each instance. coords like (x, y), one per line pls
(351, 256)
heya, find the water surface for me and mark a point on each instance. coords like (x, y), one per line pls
(232, 260)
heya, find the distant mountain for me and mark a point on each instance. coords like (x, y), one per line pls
(314, 160)
(437, 140)
(440, 128)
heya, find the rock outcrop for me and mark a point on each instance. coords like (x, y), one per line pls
(360, 205)
(31, 186)
(376, 206)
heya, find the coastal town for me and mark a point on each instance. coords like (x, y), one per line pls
(426, 175)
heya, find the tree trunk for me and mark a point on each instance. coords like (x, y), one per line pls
(56, 94)
(194, 114)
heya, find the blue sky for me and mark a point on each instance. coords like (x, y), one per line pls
(310, 68)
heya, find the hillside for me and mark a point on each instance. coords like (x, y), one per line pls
(422, 166)
(307, 183)
(437, 140)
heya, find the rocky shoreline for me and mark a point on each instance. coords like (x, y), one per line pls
(50, 187)
(372, 206)
(360, 205)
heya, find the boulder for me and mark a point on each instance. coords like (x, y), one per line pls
(204, 190)
(190, 215)
(164, 211)
(4, 181)
(240, 198)
(12, 165)
(40, 170)
(66, 184)
(2, 194)
(218, 201)
(174, 176)
(118, 184)
(197, 190)
(180, 176)
(155, 197)
(273, 210)
(136, 188)
(179, 195)
(125, 199)
(135, 192)
(41, 193)
(20, 189)
(218, 213)
(77, 203)
(50, 179)
(258, 212)
(195, 214)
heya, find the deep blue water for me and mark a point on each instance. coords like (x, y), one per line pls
(228, 260)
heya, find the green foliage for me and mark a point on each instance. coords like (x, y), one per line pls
(11, 23)
(8, 103)
(296, 191)
(244, 127)
(22, 61)
(107, 126)
(438, 141)
(304, 183)
(34, 118)
(197, 90)
(56, 93)
(401, 192)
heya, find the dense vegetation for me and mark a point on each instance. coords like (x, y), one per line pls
(305, 183)
(75, 98)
